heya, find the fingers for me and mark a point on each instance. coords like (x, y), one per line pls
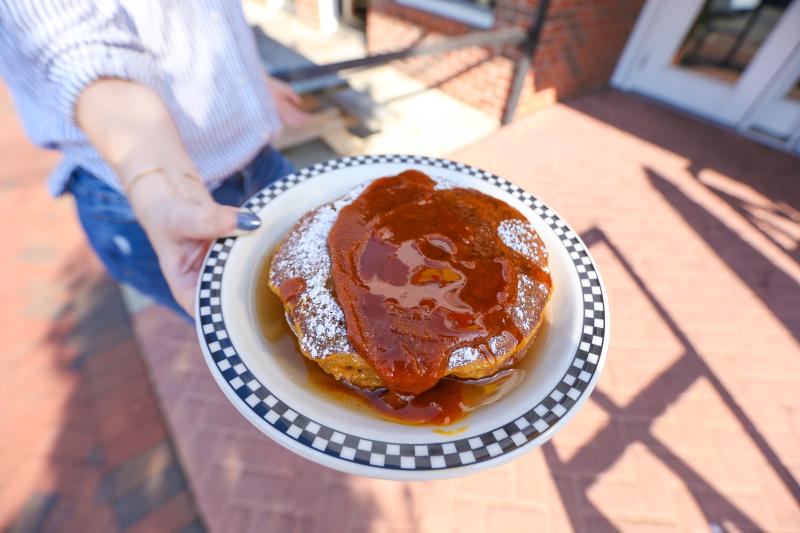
(210, 220)
(205, 221)
(293, 97)
(280, 89)
(186, 300)
(182, 280)
(292, 116)
(181, 267)
(183, 243)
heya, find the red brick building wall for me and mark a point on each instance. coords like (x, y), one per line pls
(579, 46)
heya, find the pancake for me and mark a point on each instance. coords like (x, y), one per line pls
(462, 280)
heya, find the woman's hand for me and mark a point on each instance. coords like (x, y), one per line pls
(173, 206)
(287, 102)
(181, 218)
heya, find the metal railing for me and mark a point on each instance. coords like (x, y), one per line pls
(526, 41)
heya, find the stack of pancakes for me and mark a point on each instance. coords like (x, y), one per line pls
(407, 279)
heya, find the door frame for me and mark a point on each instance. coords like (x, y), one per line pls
(777, 89)
(757, 85)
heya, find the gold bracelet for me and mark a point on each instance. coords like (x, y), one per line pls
(153, 171)
(136, 177)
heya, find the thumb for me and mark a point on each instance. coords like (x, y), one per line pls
(211, 220)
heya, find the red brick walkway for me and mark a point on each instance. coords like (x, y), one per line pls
(696, 421)
(84, 447)
(694, 426)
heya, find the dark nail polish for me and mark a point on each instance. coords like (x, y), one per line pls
(247, 221)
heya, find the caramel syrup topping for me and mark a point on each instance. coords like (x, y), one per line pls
(421, 272)
(450, 401)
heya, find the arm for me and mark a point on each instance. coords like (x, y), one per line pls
(103, 79)
(177, 212)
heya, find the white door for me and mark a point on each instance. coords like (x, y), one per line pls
(736, 62)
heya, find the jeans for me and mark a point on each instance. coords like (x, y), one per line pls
(121, 243)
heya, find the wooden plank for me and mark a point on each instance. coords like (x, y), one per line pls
(317, 126)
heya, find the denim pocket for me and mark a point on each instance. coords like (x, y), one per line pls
(98, 200)
(268, 167)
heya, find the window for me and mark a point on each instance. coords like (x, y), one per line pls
(480, 3)
(726, 36)
(477, 13)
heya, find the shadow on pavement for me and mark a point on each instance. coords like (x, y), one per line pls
(110, 465)
(759, 171)
(776, 289)
(607, 446)
(243, 480)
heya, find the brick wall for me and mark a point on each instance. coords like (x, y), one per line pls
(308, 12)
(580, 43)
(318, 14)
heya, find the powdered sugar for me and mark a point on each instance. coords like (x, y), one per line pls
(528, 291)
(520, 237)
(305, 255)
(322, 331)
(442, 184)
(348, 198)
(463, 356)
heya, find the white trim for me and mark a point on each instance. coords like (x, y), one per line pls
(769, 64)
(623, 73)
(773, 69)
(328, 17)
(772, 99)
(468, 14)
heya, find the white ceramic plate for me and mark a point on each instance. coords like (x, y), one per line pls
(277, 400)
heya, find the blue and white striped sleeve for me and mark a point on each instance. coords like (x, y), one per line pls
(75, 42)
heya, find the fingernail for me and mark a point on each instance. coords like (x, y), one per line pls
(247, 221)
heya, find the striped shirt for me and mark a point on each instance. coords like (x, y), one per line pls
(199, 55)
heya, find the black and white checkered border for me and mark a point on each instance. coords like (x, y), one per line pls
(376, 453)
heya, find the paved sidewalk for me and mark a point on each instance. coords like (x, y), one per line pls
(695, 423)
(83, 445)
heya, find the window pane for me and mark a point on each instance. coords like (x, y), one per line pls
(480, 3)
(727, 34)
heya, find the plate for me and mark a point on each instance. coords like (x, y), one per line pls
(276, 398)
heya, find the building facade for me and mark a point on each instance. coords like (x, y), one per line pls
(734, 62)
(579, 45)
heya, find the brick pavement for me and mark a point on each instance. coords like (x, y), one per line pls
(84, 447)
(694, 425)
(695, 422)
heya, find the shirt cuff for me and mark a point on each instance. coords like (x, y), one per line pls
(76, 69)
